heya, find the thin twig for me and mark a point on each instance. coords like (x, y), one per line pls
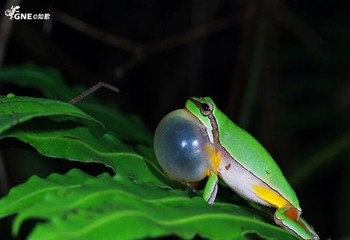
(139, 50)
(148, 48)
(190, 35)
(300, 29)
(321, 160)
(94, 32)
(93, 89)
(249, 15)
(134, 60)
(254, 74)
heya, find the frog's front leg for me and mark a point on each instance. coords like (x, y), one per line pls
(288, 218)
(211, 188)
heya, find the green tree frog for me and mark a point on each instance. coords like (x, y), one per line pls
(200, 141)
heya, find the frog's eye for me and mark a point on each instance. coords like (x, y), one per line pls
(206, 108)
(180, 144)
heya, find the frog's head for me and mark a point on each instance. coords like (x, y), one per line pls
(204, 109)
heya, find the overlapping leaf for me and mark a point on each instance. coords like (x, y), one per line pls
(63, 135)
(48, 80)
(16, 110)
(128, 127)
(79, 206)
(76, 142)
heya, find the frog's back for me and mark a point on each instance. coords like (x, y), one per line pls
(248, 152)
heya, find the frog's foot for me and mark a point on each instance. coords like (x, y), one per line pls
(310, 229)
(288, 218)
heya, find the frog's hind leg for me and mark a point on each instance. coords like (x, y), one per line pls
(288, 218)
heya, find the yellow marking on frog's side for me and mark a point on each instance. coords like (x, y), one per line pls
(214, 158)
(207, 172)
(270, 196)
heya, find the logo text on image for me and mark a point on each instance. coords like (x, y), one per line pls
(14, 13)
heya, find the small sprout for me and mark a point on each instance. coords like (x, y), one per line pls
(10, 95)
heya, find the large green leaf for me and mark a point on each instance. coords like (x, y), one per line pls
(79, 206)
(76, 142)
(16, 110)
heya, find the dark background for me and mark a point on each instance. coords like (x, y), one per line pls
(280, 69)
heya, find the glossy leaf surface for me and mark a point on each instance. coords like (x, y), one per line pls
(79, 206)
